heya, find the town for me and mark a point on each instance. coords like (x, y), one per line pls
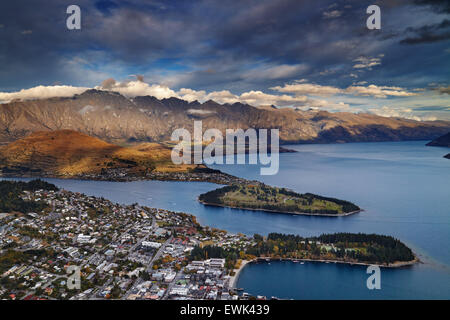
(122, 252)
(62, 245)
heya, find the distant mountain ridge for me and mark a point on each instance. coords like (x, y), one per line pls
(116, 119)
(443, 141)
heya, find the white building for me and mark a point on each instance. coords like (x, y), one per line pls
(217, 263)
(151, 244)
(170, 276)
(83, 238)
(179, 291)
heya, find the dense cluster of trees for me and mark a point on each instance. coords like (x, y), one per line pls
(32, 185)
(293, 208)
(10, 191)
(206, 170)
(276, 244)
(347, 206)
(12, 257)
(370, 248)
(214, 196)
(208, 252)
(379, 247)
(308, 199)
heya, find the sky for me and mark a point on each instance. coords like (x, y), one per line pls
(289, 53)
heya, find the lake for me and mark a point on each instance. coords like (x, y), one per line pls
(404, 188)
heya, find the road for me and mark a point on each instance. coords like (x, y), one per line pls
(149, 266)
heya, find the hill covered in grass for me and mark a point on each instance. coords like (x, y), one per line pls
(68, 153)
(267, 198)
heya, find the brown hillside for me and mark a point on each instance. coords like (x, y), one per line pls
(71, 153)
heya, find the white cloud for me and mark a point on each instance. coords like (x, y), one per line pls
(138, 88)
(258, 98)
(319, 90)
(378, 92)
(255, 98)
(332, 14)
(223, 96)
(191, 95)
(367, 63)
(307, 88)
(41, 92)
(397, 112)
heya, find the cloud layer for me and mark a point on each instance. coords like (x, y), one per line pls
(41, 92)
(252, 51)
(381, 100)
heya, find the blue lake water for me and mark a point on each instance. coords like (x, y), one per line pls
(404, 188)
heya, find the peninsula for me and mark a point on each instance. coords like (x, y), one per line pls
(443, 141)
(258, 196)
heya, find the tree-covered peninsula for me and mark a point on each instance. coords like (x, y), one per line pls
(345, 247)
(353, 248)
(259, 196)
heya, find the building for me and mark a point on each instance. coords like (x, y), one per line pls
(170, 276)
(179, 291)
(83, 238)
(151, 244)
(217, 263)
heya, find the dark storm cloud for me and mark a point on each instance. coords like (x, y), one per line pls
(427, 38)
(442, 6)
(429, 33)
(215, 45)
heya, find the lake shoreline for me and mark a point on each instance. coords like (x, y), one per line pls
(220, 179)
(284, 212)
(234, 279)
(398, 264)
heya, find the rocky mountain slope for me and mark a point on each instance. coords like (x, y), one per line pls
(117, 119)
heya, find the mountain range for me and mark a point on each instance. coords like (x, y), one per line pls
(443, 141)
(117, 119)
